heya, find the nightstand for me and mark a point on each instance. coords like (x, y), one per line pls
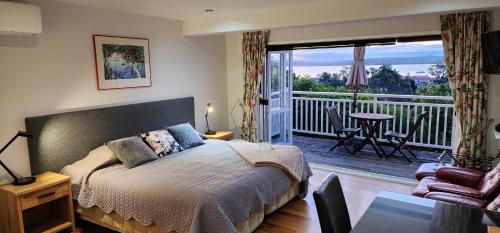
(44, 206)
(222, 135)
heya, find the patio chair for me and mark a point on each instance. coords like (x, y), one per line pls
(344, 135)
(399, 140)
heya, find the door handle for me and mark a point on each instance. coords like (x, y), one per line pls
(263, 101)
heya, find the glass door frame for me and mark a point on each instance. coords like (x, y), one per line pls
(286, 92)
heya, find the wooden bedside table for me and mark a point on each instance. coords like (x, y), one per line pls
(222, 135)
(43, 206)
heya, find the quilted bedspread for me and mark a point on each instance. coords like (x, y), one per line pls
(288, 158)
(204, 189)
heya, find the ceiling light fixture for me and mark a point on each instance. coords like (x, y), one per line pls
(209, 10)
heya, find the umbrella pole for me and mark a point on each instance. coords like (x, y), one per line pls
(355, 106)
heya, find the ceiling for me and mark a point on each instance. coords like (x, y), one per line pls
(249, 15)
(190, 9)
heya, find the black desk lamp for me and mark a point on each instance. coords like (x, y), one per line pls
(209, 109)
(22, 180)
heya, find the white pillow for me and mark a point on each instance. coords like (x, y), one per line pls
(96, 158)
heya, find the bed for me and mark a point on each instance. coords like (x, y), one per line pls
(67, 137)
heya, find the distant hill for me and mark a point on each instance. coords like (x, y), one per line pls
(377, 61)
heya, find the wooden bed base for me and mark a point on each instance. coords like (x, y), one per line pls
(114, 222)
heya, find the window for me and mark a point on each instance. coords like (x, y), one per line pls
(407, 68)
(413, 67)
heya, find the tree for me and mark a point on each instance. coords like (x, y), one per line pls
(303, 83)
(387, 80)
(331, 80)
(433, 89)
(344, 72)
(439, 72)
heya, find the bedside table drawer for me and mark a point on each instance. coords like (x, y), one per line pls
(44, 195)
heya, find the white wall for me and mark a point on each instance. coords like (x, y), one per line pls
(234, 71)
(55, 72)
(402, 26)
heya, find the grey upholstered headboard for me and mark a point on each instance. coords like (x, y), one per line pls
(64, 138)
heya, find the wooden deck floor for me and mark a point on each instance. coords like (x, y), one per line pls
(316, 150)
(299, 216)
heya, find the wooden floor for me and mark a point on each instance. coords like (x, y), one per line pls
(300, 215)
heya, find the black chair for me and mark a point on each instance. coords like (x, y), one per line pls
(330, 204)
(344, 135)
(399, 140)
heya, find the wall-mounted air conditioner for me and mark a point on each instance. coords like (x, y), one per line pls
(20, 19)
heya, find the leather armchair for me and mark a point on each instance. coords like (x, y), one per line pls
(466, 184)
(429, 169)
(456, 198)
(494, 205)
(461, 176)
(453, 188)
(465, 200)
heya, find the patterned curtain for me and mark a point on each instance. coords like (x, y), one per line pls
(462, 33)
(254, 54)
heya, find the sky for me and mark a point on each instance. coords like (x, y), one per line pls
(412, 49)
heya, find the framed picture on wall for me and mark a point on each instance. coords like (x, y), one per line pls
(121, 62)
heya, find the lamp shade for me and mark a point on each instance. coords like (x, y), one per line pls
(210, 108)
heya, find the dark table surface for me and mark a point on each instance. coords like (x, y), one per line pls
(397, 213)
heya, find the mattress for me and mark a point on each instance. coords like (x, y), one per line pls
(115, 222)
(208, 188)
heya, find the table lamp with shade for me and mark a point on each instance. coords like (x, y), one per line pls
(209, 109)
(22, 180)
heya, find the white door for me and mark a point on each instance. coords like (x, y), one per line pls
(276, 117)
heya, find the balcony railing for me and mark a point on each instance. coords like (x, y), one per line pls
(309, 115)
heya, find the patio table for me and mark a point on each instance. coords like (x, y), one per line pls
(370, 123)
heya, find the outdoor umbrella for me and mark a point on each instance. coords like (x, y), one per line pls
(357, 75)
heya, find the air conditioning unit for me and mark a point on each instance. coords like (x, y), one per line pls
(20, 19)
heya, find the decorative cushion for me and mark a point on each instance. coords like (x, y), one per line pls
(162, 142)
(132, 151)
(186, 135)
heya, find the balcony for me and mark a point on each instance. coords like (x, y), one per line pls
(313, 132)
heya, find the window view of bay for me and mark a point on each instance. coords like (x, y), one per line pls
(407, 69)
(414, 68)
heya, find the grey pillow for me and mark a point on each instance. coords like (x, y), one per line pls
(132, 151)
(186, 135)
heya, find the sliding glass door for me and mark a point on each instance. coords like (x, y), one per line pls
(276, 123)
